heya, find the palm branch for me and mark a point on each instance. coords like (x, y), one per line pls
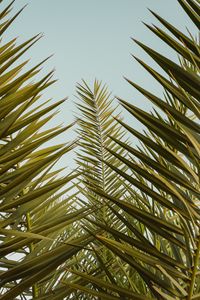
(96, 125)
(160, 239)
(37, 230)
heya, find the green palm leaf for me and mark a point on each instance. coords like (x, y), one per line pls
(155, 228)
(37, 229)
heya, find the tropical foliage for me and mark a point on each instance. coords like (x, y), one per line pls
(35, 240)
(96, 127)
(154, 229)
(126, 225)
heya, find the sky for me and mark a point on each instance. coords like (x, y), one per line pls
(92, 39)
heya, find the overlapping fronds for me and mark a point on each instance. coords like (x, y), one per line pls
(38, 209)
(96, 127)
(138, 207)
(159, 239)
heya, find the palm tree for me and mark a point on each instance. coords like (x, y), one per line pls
(154, 234)
(37, 231)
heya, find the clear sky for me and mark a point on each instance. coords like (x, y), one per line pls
(91, 39)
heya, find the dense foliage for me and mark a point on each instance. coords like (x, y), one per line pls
(125, 224)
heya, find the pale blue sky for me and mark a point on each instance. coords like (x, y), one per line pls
(91, 38)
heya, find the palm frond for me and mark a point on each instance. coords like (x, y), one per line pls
(36, 224)
(157, 236)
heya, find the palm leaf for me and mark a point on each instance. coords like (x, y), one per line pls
(155, 228)
(38, 234)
